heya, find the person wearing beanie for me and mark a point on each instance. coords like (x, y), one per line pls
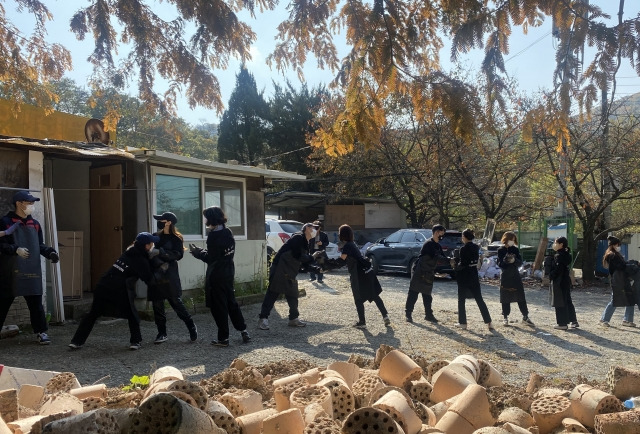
(21, 246)
(219, 293)
(511, 286)
(116, 291)
(423, 275)
(621, 291)
(164, 261)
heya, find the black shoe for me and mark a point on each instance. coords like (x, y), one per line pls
(193, 333)
(245, 337)
(408, 318)
(429, 317)
(224, 343)
(360, 325)
(320, 281)
(160, 338)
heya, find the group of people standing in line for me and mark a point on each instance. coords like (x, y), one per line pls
(153, 258)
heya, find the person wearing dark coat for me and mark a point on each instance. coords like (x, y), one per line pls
(466, 268)
(364, 283)
(318, 244)
(164, 261)
(115, 292)
(292, 258)
(560, 289)
(621, 290)
(423, 275)
(220, 295)
(511, 287)
(20, 269)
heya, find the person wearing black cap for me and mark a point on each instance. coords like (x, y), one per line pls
(292, 258)
(164, 261)
(621, 290)
(424, 274)
(219, 293)
(116, 290)
(20, 269)
(318, 243)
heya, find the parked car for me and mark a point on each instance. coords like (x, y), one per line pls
(400, 250)
(279, 231)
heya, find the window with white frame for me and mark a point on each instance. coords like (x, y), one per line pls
(186, 196)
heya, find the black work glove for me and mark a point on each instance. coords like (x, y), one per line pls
(54, 257)
(195, 250)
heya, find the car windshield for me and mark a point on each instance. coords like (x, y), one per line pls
(451, 241)
(291, 227)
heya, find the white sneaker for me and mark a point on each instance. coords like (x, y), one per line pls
(505, 322)
(263, 324)
(628, 324)
(387, 320)
(490, 326)
(461, 326)
(604, 323)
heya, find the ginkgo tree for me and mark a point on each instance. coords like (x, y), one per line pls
(394, 48)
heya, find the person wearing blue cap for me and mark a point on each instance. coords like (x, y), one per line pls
(164, 261)
(20, 269)
(116, 291)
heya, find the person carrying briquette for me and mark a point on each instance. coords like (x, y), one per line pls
(219, 292)
(466, 268)
(164, 261)
(292, 258)
(115, 292)
(560, 276)
(318, 243)
(511, 287)
(621, 290)
(364, 283)
(423, 275)
(20, 271)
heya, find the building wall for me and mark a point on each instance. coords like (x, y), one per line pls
(337, 215)
(384, 215)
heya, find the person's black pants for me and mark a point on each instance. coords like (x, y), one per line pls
(477, 295)
(412, 297)
(270, 299)
(98, 308)
(223, 306)
(36, 311)
(522, 305)
(160, 317)
(360, 305)
(566, 314)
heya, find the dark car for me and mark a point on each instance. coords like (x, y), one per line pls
(400, 250)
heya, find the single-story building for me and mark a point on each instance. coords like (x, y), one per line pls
(95, 198)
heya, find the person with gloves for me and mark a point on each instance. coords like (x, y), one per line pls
(292, 258)
(164, 262)
(115, 292)
(219, 293)
(20, 270)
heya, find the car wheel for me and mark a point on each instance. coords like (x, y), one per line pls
(270, 255)
(374, 264)
(410, 267)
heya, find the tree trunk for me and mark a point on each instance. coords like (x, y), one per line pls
(588, 254)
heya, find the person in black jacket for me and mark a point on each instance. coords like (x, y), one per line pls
(511, 287)
(423, 275)
(318, 244)
(164, 260)
(20, 269)
(364, 283)
(466, 268)
(560, 296)
(621, 290)
(116, 290)
(292, 258)
(219, 292)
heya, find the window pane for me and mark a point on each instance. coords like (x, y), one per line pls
(228, 195)
(180, 196)
(394, 237)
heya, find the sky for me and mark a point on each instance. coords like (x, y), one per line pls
(531, 59)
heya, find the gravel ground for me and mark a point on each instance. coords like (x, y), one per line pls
(515, 351)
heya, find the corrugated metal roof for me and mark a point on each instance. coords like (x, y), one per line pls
(66, 148)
